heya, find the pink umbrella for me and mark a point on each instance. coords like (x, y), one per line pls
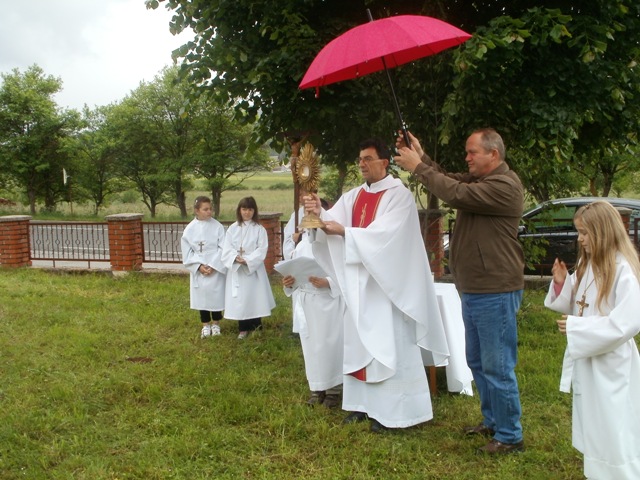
(379, 45)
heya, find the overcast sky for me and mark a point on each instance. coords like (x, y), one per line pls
(101, 49)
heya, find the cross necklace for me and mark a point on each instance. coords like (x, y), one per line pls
(242, 233)
(582, 302)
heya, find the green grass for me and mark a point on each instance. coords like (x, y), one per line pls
(106, 378)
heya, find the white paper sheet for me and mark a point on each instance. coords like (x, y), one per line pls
(301, 268)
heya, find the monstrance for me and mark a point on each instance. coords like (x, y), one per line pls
(308, 177)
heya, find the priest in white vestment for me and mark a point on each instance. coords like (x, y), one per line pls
(601, 363)
(373, 248)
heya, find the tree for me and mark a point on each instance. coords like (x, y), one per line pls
(256, 67)
(561, 86)
(558, 78)
(93, 153)
(137, 158)
(224, 155)
(32, 130)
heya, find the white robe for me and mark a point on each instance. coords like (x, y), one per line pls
(201, 244)
(318, 316)
(385, 279)
(288, 245)
(248, 291)
(602, 366)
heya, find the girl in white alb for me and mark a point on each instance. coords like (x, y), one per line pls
(201, 245)
(601, 307)
(248, 295)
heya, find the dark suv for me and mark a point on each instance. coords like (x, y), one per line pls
(548, 228)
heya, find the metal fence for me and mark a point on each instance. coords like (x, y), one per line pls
(161, 241)
(89, 241)
(86, 241)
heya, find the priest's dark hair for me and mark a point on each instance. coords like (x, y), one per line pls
(247, 202)
(381, 148)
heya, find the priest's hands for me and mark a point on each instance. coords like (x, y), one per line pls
(240, 260)
(333, 228)
(312, 204)
(562, 325)
(288, 281)
(559, 271)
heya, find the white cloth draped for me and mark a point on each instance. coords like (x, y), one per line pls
(201, 244)
(248, 291)
(602, 366)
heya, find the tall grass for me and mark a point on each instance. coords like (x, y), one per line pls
(107, 378)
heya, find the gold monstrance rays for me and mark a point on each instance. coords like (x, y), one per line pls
(307, 176)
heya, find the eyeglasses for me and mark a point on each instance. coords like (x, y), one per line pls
(366, 159)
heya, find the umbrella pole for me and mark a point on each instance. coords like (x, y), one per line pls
(403, 127)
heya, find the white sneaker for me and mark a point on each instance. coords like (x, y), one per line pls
(206, 331)
(215, 330)
(243, 335)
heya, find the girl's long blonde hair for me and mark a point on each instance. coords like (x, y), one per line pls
(607, 236)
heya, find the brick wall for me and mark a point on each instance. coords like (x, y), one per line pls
(125, 241)
(271, 223)
(15, 249)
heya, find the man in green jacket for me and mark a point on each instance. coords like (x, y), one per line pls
(487, 264)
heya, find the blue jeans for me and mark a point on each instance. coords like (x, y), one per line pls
(492, 353)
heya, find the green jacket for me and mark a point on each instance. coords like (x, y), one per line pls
(485, 255)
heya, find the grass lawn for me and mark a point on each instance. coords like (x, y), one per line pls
(106, 378)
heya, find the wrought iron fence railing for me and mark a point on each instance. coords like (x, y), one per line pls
(86, 241)
(89, 241)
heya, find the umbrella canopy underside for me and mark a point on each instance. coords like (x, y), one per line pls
(396, 40)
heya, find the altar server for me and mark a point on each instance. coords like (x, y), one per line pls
(601, 307)
(318, 316)
(201, 245)
(248, 295)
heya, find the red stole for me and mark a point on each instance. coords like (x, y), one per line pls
(364, 212)
(364, 208)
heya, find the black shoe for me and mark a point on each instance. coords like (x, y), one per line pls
(355, 417)
(377, 427)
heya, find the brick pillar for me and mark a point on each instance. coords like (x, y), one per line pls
(125, 241)
(15, 246)
(271, 223)
(431, 226)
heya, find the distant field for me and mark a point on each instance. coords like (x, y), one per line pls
(273, 193)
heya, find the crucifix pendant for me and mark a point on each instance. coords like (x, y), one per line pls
(582, 304)
(201, 244)
(241, 251)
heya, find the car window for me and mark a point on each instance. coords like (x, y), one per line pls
(552, 218)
